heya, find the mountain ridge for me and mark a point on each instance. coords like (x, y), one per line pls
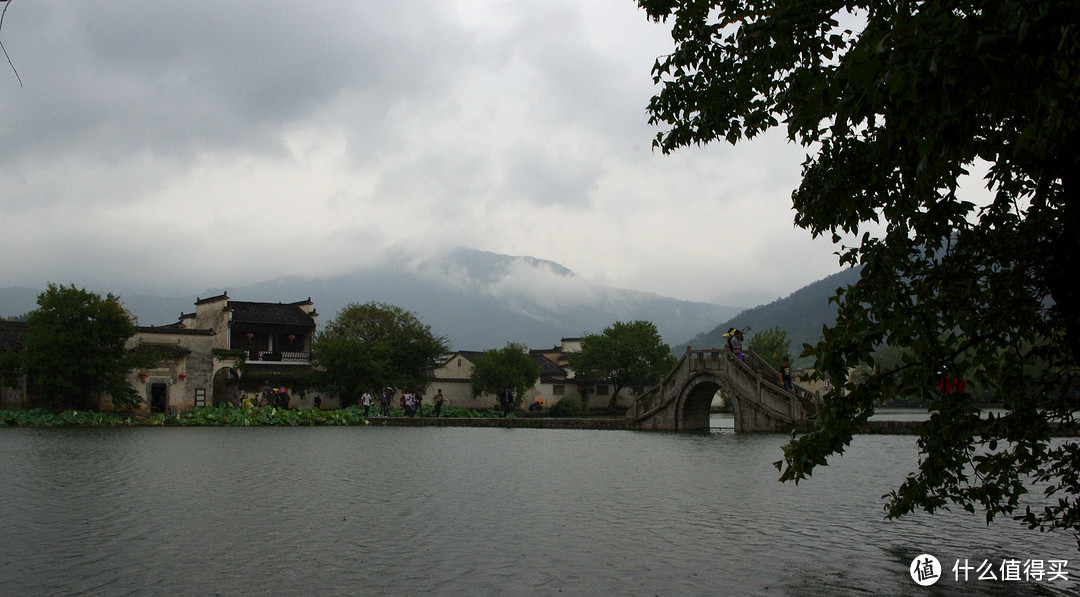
(802, 314)
(477, 299)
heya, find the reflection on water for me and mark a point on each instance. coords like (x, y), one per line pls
(725, 422)
(346, 511)
(900, 414)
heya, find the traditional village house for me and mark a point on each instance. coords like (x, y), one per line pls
(553, 382)
(182, 377)
(453, 378)
(594, 396)
(273, 340)
(179, 381)
(562, 383)
(556, 380)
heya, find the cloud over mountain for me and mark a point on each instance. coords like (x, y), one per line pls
(477, 299)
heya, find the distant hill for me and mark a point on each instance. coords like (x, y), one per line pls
(477, 299)
(148, 309)
(802, 315)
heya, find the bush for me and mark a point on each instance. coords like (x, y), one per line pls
(568, 406)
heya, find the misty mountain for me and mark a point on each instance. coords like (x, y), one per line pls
(802, 315)
(477, 299)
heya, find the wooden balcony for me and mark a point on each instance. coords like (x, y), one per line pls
(265, 356)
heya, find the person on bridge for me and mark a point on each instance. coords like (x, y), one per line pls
(735, 343)
(785, 374)
(735, 340)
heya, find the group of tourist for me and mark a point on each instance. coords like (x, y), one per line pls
(735, 345)
(412, 403)
(735, 342)
(276, 397)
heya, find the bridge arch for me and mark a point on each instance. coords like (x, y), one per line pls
(693, 407)
(695, 398)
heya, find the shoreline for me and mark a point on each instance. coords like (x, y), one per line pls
(298, 418)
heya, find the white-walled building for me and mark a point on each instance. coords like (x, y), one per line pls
(556, 381)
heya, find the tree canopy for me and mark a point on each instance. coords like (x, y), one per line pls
(375, 345)
(508, 367)
(772, 345)
(625, 354)
(73, 350)
(896, 103)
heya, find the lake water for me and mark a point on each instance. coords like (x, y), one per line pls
(470, 511)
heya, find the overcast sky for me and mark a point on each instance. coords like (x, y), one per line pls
(170, 147)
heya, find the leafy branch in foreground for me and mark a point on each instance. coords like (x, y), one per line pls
(897, 103)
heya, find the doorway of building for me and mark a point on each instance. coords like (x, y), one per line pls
(159, 401)
(226, 387)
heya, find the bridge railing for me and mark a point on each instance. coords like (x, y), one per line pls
(807, 399)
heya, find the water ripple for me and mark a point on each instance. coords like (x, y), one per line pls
(386, 511)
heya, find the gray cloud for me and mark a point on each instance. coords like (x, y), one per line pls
(189, 145)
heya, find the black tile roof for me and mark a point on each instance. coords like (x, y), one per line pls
(224, 295)
(548, 368)
(11, 335)
(276, 313)
(173, 329)
(468, 354)
(173, 351)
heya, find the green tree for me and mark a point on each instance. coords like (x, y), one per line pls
(894, 110)
(772, 345)
(625, 354)
(73, 350)
(375, 345)
(10, 368)
(508, 367)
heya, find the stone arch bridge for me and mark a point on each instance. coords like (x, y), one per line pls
(753, 388)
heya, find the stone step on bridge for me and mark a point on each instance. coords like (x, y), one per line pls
(753, 389)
